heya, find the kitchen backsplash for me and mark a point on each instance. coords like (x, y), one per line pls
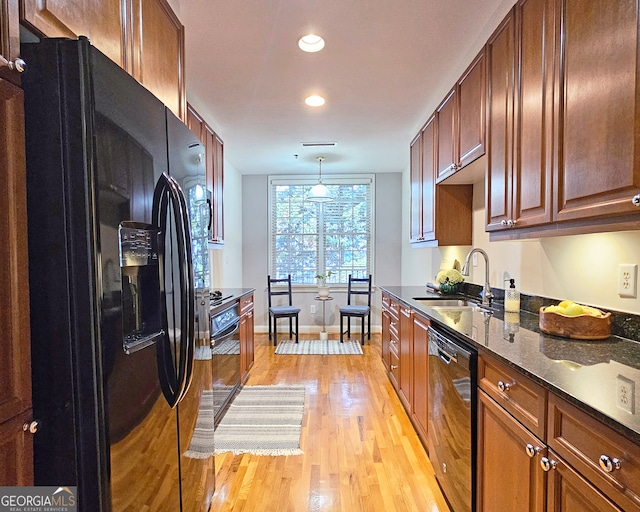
(623, 324)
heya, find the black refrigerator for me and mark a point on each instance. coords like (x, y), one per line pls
(118, 214)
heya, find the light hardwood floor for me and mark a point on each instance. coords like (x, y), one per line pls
(361, 452)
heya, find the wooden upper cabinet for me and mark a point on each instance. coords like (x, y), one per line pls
(143, 37)
(461, 121)
(158, 52)
(445, 135)
(100, 20)
(501, 62)
(10, 41)
(598, 121)
(214, 149)
(15, 349)
(472, 94)
(415, 180)
(520, 113)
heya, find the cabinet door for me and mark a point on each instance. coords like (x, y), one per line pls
(532, 183)
(471, 112)
(100, 20)
(15, 349)
(157, 46)
(405, 354)
(445, 135)
(386, 338)
(501, 65)
(598, 121)
(217, 186)
(9, 40)
(428, 188)
(415, 177)
(420, 408)
(568, 491)
(507, 477)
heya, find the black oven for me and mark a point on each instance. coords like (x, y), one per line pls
(452, 413)
(225, 356)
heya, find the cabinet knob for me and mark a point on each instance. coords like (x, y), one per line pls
(31, 427)
(531, 450)
(18, 65)
(609, 464)
(636, 200)
(394, 366)
(505, 386)
(547, 464)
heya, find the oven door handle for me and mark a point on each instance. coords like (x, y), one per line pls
(226, 333)
(446, 356)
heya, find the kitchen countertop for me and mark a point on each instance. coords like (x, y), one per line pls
(585, 373)
(229, 295)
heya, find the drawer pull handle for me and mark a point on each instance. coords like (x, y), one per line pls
(32, 427)
(532, 451)
(609, 464)
(505, 386)
(636, 200)
(548, 465)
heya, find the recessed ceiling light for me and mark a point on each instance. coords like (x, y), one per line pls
(311, 43)
(314, 101)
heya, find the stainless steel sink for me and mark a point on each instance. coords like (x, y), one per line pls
(453, 304)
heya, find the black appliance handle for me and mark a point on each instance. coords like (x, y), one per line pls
(175, 367)
(210, 207)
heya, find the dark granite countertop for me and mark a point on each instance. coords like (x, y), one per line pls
(228, 296)
(584, 373)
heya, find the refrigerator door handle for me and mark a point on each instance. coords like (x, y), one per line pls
(175, 367)
(210, 208)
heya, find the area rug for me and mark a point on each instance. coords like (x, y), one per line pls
(262, 420)
(312, 347)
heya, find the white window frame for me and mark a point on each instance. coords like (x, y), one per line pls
(343, 179)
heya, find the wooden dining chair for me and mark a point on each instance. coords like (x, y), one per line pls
(362, 287)
(283, 311)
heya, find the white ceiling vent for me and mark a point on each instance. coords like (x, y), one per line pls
(319, 144)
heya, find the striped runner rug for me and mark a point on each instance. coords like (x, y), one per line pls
(262, 420)
(314, 347)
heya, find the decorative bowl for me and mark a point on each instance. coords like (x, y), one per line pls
(579, 327)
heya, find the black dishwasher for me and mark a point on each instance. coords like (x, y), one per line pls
(452, 413)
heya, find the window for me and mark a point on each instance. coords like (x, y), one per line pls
(309, 238)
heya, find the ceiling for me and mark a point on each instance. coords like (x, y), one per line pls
(385, 67)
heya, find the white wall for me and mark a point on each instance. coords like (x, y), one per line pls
(255, 253)
(226, 262)
(583, 268)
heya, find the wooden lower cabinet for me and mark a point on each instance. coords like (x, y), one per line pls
(386, 338)
(405, 353)
(419, 406)
(246, 337)
(568, 491)
(507, 477)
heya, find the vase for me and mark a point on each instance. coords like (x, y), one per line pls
(323, 291)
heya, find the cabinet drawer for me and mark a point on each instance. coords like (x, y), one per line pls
(394, 368)
(583, 441)
(246, 304)
(394, 308)
(520, 396)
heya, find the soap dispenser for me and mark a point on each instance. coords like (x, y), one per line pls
(512, 298)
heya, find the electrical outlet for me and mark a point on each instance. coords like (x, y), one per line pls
(312, 309)
(626, 394)
(627, 280)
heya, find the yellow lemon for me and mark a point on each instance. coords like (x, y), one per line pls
(565, 303)
(573, 310)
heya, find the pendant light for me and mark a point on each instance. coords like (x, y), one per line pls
(319, 193)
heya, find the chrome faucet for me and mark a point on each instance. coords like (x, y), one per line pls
(487, 296)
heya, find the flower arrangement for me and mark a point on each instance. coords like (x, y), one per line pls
(449, 280)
